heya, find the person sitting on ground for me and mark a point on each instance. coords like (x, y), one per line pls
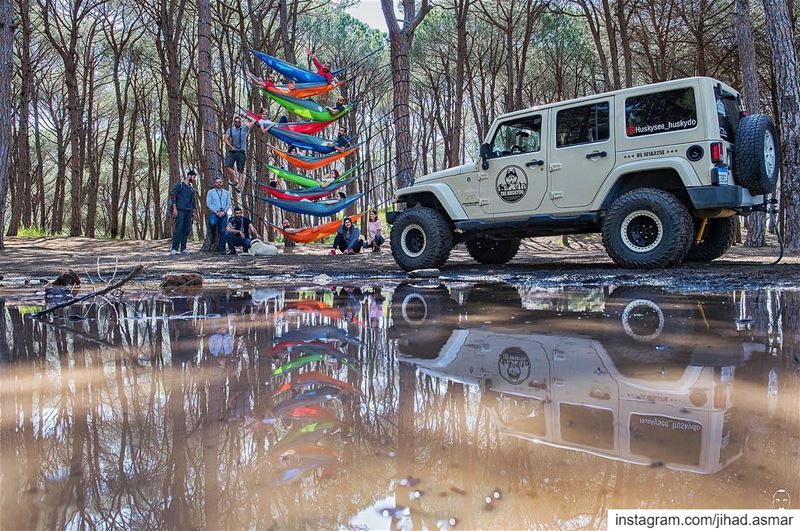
(339, 107)
(218, 201)
(241, 232)
(323, 70)
(374, 232)
(342, 141)
(348, 238)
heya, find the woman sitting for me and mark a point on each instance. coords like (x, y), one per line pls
(348, 238)
(374, 232)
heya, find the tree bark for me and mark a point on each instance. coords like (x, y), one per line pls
(784, 59)
(6, 107)
(756, 221)
(208, 118)
(400, 39)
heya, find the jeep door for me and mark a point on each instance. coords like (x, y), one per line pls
(581, 152)
(515, 181)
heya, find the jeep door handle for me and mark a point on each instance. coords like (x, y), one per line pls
(534, 162)
(596, 154)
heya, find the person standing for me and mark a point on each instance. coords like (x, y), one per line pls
(241, 232)
(236, 140)
(218, 201)
(183, 205)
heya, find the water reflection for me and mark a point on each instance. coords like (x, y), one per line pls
(364, 406)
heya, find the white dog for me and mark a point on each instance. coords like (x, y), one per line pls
(259, 248)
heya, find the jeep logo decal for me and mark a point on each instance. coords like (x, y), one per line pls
(511, 184)
(514, 365)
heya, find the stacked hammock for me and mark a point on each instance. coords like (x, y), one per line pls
(308, 208)
(310, 110)
(308, 128)
(312, 234)
(301, 90)
(311, 163)
(306, 182)
(310, 194)
(300, 75)
(303, 141)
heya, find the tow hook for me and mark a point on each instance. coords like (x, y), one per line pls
(699, 237)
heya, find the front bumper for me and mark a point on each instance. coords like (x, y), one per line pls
(722, 196)
(391, 215)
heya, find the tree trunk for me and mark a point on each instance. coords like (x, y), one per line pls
(756, 221)
(400, 39)
(208, 119)
(6, 107)
(784, 59)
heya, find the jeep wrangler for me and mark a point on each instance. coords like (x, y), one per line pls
(660, 170)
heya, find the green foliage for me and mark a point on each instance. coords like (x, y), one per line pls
(32, 232)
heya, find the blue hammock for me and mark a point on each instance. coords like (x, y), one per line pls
(302, 140)
(300, 75)
(319, 210)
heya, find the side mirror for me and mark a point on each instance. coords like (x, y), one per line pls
(484, 154)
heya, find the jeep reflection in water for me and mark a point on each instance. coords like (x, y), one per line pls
(640, 377)
(660, 170)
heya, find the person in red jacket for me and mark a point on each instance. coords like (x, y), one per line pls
(323, 70)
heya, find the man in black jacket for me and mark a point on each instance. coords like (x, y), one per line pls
(183, 203)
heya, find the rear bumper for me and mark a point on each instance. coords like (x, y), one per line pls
(724, 196)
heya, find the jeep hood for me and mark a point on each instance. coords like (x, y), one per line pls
(449, 172)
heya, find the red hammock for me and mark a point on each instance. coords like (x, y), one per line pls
(312, 234)
(309, 128)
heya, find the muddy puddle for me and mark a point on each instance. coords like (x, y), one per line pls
(426, 406)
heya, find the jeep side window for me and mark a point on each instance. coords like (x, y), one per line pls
(660, 112)
(582, 125)
(728, 111)
(521, 135)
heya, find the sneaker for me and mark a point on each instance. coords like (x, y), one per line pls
(348, 251)
(185, 251)
(231, 252)
(332, 253)
(173, 252)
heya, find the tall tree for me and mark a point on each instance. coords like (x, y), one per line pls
(401, 36)
(784, 60)
(6, 106)
(756, 221)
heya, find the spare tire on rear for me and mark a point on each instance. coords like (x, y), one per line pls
(756, 154)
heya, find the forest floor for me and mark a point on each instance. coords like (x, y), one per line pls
(544, 261)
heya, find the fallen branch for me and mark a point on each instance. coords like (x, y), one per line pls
(112, 287)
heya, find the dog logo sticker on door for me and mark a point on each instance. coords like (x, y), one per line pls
(511, 184)
(514, 365)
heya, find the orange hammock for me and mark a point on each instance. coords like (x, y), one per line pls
(305, 90)
(312, 234)
(311, 163)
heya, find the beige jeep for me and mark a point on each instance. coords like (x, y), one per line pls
(660, 170)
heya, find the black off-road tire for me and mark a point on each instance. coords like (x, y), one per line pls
(421, 238)
(490, 251)
(751, 164)
(718, 236)
(667, 226)
(423, 318)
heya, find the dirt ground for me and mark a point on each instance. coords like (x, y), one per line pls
(543, 261)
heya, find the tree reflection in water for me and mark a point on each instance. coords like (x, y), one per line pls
(161, 412)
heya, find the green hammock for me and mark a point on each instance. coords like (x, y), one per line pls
(307, 109)
(302, 180)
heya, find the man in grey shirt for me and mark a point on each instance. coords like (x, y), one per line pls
(236, 140)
